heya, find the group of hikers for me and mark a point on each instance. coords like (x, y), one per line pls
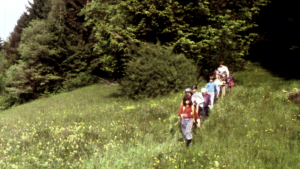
(195, 104)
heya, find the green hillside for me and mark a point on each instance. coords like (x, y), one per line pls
(254, 126)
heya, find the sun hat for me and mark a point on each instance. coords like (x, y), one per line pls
(188, 90)
(203, 90)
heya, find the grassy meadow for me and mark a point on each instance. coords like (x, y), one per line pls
(254, 126)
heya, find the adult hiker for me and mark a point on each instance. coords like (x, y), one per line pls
(222, 68)
(197, 98)
(212, 90)
(206, 104)
(223, 79)
(187, 116)
(223, 72)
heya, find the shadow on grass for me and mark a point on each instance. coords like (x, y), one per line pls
(116, 94)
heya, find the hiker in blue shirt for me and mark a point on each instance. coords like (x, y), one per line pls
(212, 90)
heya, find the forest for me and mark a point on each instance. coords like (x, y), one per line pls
(150, 47)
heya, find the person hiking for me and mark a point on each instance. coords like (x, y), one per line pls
(221, 70)
(187, 116)
(188, 92)
(223, 79)
(211, 89)
(218, 83)
(206, 104)
(197, 98)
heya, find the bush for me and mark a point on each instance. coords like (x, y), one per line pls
(6, 101)
(80, 80)
(153, 71)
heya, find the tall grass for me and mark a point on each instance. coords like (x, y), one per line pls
(254, 126)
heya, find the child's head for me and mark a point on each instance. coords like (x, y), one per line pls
(203, 90)
(188, 92)
(194, 88)
(230, 72)
(211, 79)
(187, 101)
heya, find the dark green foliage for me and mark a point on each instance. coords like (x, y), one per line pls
(279, 48)
(82, 79)
(153, 70)
(206, 31)
(37, 10)
(52, 50)
(36, 72)
(6, 101)
(50, 53)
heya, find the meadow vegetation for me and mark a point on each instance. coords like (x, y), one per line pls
(254, 126)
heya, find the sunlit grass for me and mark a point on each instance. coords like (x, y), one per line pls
(254, 126)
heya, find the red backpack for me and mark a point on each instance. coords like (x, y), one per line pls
(231, 84)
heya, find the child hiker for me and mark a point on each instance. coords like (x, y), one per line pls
(206, 104)
(197, 98)
(218, 84)
(187, 116)
(223, 78)
(212, 90)
(188, 92)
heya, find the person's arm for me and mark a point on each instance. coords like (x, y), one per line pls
(227, 71)
(180, 112)
(198, 101)
(197, 118)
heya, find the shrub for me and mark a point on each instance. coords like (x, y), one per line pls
(80, 80)
(153, 71)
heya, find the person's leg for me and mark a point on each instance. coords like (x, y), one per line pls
(212, 98)
(183, 127)
(226, 86)
(217, 94)
(223, 91)
(206, 111)
(202, 113)
(188, 132)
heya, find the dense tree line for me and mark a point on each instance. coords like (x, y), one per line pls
(278, 48)
(60, 45)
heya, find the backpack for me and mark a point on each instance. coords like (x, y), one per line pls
(231, 84)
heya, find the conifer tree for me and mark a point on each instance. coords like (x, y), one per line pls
(51, 53)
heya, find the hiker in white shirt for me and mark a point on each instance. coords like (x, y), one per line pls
(222, 69)
(198, 98)
(218, 83)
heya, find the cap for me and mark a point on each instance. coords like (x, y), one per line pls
(188, 90)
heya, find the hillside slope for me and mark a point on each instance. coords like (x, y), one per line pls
(254, 126)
